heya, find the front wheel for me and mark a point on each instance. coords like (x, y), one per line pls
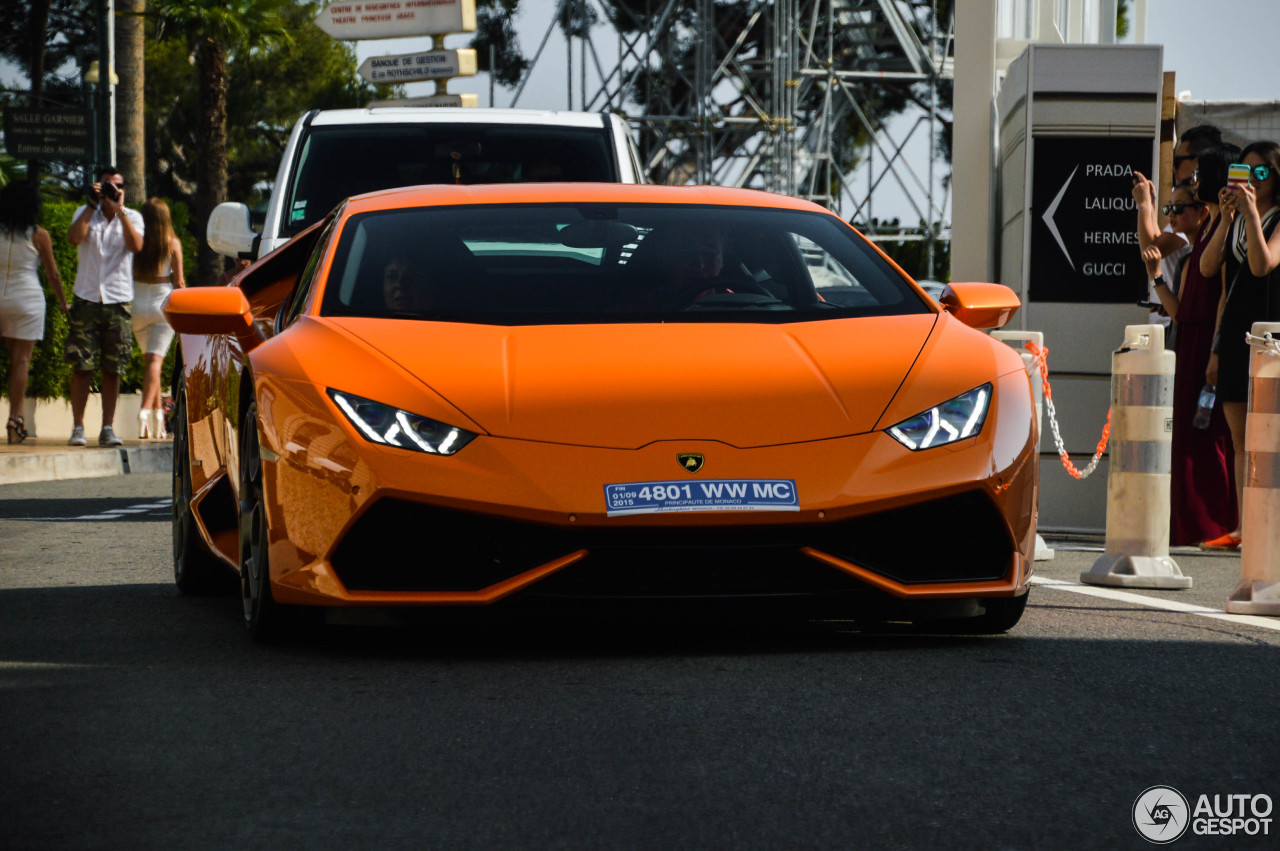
(262, 615)
(195, 571)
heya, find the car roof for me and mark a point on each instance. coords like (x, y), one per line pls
(456, 115)
(573, 193)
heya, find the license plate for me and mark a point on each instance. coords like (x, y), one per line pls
(702, 495)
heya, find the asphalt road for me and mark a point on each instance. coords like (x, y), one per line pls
(133, 717)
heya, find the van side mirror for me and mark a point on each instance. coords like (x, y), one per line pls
(229, 231)
(981, 306)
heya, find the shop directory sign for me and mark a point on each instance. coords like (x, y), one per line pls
(1084, 240)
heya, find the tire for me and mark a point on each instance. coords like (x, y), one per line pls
(266, 620)
(1002, 614)
(196, 572)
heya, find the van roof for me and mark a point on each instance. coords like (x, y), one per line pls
(457, 115)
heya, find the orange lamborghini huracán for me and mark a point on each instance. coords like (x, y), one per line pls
(498, 395)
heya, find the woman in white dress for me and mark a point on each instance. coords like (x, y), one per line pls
(157, 269)
(22, 245)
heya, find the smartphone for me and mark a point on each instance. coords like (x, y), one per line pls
(1238, 174)
(1149, 305)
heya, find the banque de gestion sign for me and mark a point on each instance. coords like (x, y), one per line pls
(1084, 241)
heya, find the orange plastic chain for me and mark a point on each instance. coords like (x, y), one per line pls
(1041, 354)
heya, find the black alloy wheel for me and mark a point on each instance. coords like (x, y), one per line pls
(195, 570)
(262, 615)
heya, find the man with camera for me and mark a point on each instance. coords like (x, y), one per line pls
(106, 235)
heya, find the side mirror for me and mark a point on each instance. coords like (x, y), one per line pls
(981, 306)
(229, 231)
(210, 311)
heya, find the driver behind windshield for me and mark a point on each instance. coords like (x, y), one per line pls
(689, 259)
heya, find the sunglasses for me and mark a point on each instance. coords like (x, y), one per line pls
(1261, 172)
(1180, 159)
(1176, 209)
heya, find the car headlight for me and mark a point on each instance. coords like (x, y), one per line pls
(955, 419)
(390, 426)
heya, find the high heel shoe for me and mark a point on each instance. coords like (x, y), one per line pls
(161, 433)
(16, 429)
(145, 428)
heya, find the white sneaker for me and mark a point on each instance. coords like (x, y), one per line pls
(107, 437)
(77, 437)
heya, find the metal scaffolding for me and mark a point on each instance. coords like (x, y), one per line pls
(781, 95)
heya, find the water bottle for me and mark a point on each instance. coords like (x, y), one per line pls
(1208, 395)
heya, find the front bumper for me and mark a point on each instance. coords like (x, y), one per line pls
(357, 524)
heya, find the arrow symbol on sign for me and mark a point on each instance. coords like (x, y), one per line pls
(1053, 226)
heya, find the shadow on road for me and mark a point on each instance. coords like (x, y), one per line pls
(139, 718)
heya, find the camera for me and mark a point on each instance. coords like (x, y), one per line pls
(110, 192)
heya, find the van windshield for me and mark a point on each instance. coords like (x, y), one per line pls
(340, 161)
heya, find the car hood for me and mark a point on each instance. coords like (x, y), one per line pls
(625, 386)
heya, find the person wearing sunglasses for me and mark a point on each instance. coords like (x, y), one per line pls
(1247, 251)
(1202, 498)
(1170, 245)
(1173, 245)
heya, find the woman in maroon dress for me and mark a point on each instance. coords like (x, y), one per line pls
(1202, 482)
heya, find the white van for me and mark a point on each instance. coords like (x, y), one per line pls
(335, 153)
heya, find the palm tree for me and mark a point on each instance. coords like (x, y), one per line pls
(130, 127)
(213, 29)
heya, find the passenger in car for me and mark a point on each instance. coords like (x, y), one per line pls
(406, 286)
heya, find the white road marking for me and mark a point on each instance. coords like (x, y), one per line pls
(109, 514)
(1156, 603)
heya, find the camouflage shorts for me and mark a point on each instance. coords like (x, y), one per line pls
(99, 329)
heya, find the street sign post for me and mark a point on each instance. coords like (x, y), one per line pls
(349, 21)
(415, 67)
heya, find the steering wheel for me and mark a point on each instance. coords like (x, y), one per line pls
(687, 296)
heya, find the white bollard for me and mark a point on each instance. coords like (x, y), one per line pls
(1259, 590)
(1043, 551)
(1137, 550)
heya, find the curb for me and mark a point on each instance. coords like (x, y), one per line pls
(88, 463)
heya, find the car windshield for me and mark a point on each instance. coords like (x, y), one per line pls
(548, 264)
(337, 162)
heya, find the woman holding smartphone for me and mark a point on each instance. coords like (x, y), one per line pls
(1247, 251)
(1202, 497)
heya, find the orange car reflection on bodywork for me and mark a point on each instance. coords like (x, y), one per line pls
(518, 436)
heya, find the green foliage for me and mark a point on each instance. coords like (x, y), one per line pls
(70, 24)
(913, 254)
(229, 23)
(495, 28)
(321, 74)
(268, 88)
(50, 374)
